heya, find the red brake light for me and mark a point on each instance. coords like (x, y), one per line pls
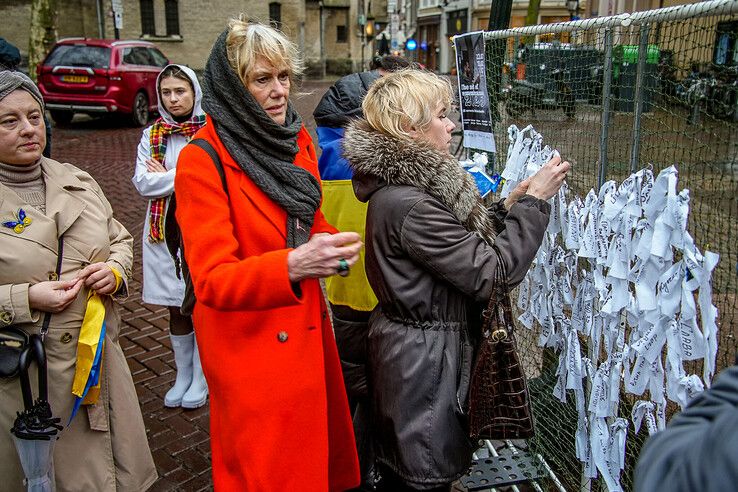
(113, 74)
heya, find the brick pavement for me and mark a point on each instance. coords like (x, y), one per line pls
(179, 440)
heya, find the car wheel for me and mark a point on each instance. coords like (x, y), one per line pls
(140, 115)
(62, 117)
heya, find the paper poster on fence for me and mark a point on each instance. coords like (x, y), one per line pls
(473, 98)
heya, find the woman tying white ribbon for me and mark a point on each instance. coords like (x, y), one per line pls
(430, 260)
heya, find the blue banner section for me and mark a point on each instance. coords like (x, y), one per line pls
(331, 164)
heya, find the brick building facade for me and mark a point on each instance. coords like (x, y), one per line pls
(186, 29)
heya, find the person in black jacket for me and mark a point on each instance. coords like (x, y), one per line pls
(351, 298)
(698, 450)
(10, 56)
(341, 104)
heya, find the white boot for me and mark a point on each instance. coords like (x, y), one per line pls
(197, 394)
(183, 346)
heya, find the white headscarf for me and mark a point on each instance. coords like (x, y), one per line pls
(196, 109)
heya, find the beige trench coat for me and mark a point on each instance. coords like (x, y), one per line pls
(105, 447)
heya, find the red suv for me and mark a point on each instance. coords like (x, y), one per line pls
(101, 76)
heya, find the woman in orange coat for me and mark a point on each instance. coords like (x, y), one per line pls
(256, 250)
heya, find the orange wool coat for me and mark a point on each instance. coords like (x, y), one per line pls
(279, 417)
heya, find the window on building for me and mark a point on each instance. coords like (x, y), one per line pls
(341, 34)
(725, 51)
(148, 24)
(429, 49)
(275, 14)
(562, 36)
(171, 13)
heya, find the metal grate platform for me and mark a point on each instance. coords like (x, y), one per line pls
(505, 469)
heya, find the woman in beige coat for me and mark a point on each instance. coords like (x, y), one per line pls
(104, 448)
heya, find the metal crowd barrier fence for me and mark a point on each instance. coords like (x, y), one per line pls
(614, 95)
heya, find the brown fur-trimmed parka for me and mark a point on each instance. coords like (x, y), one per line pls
(430, 262)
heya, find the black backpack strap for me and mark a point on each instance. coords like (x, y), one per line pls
(188, 302)
(208, 147)
(172, 234)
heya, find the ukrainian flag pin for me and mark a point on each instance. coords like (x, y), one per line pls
(22, 221)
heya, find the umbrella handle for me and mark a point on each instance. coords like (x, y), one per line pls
(24, 362)
(39, 353)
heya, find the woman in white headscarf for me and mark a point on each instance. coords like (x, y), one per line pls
(180, 118)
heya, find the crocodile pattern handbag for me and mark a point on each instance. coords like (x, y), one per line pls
(499, 403)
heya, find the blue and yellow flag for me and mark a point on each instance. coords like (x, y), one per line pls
(86, 384)
(346, 213)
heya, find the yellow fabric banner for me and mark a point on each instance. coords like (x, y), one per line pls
(346, 213)
(89, 337)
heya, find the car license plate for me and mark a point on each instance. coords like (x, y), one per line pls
(79, 79)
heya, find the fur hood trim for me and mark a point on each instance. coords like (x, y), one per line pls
(384, 160)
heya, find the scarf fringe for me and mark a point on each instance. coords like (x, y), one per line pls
(158, 137)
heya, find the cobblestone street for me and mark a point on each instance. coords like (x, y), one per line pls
(179, 440)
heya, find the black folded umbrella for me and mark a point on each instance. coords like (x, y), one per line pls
(35, 428)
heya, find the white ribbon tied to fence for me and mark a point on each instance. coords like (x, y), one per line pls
(620, 261)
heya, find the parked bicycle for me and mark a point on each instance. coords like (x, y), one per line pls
(724, 93)
(714, 91)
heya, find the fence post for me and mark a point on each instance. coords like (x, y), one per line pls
(640, 89)
(499, 18)
(606, 89)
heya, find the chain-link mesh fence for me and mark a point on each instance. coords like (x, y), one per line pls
(614, 95)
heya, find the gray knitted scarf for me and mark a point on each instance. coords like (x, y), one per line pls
(262, 148)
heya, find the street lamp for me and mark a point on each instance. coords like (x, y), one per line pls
(367, 34)
(573, 7)
(370, 28)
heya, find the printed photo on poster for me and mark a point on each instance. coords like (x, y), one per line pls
(473, 98)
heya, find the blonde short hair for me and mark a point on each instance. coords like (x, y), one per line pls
(249, 40)
(406, 99)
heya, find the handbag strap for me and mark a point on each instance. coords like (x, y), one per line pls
(504, 296)
(59, 259)
(497, 318)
